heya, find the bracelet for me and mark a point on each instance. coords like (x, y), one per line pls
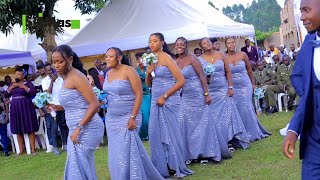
(165, 96)
(80, 126)
(230, 87)
(133, 117)
(206, 94)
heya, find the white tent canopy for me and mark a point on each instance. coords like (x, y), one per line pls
(128, 24)
(12, 58)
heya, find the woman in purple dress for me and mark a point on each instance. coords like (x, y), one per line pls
(23, 119)
(166, 146)
(243, 82)
(199, 134)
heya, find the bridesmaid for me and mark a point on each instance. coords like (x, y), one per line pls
(243, 80)
(224, 110)
(127, 156)
(167, 152)
(146, 100)
(198, 132)
(80, 104)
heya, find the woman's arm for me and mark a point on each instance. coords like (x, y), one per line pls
(85, 89)
(174, 69)
(227, 71)
(137, 89)
(249, 69)
(197, 66)
(149, 78)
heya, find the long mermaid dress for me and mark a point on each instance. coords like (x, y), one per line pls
(166, 146)
(243, 98)
(224, 109)
(127, 157)
(80, 157)
(198, 131)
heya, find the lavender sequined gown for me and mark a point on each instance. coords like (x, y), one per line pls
(80, 157)
(166, 144)
(243, 99)
(198, 130)
(127, 157)
(224, 110)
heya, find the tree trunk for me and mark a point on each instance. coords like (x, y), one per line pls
(49, 41)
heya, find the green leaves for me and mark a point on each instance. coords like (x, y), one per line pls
(263, 14)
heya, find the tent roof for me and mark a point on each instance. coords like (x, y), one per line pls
(12, 58)
(128, 24)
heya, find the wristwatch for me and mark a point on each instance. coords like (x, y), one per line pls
(165, 96)
(206, 94)
(133, 117)
(80, 126)
(231, 87)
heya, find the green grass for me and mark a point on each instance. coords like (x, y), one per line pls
(263, 160)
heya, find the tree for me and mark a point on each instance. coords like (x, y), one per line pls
(263, 14)
(211, 4)
(14, 12)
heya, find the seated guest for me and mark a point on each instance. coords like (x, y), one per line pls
(283, 86)
(277, 63)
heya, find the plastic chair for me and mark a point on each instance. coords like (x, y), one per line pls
(280, 101)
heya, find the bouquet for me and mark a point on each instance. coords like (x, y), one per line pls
(42, 99)
(102, 97)
(208, 70)
(259, 93)
(149, 58)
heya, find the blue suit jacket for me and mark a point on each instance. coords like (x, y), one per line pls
(300, 80)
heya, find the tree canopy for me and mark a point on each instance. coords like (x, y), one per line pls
(44, 26)
(263, 14)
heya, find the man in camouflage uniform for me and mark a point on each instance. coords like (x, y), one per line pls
(283, 85)
(277, 63)
(263, 77)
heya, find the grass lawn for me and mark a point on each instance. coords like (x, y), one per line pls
(263, 160)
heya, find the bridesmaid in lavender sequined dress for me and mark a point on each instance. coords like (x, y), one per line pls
(224, 110)
(127, 157)
(80, 104)
(166, 146)
(198, 132)
(243, 81)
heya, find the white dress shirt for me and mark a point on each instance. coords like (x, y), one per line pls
(57, 85)
(316, 60)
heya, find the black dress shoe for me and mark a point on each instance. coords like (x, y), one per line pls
(290, 108)
(273, 110)
(6, 154)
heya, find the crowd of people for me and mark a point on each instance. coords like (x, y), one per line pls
(188, 116)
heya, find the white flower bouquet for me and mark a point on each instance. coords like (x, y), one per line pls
(149, 58)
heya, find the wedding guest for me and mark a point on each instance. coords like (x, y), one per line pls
(80, 104)
(199, 134)
(23, 118)
(4, 119)
(251, 52)
(166, 146)
(53, 84)
(244, 85)
(146, 100)
(224, 111)
(127, 157)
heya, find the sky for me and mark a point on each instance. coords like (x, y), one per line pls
(223, 3)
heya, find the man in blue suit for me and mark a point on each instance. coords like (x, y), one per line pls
(305, 79)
